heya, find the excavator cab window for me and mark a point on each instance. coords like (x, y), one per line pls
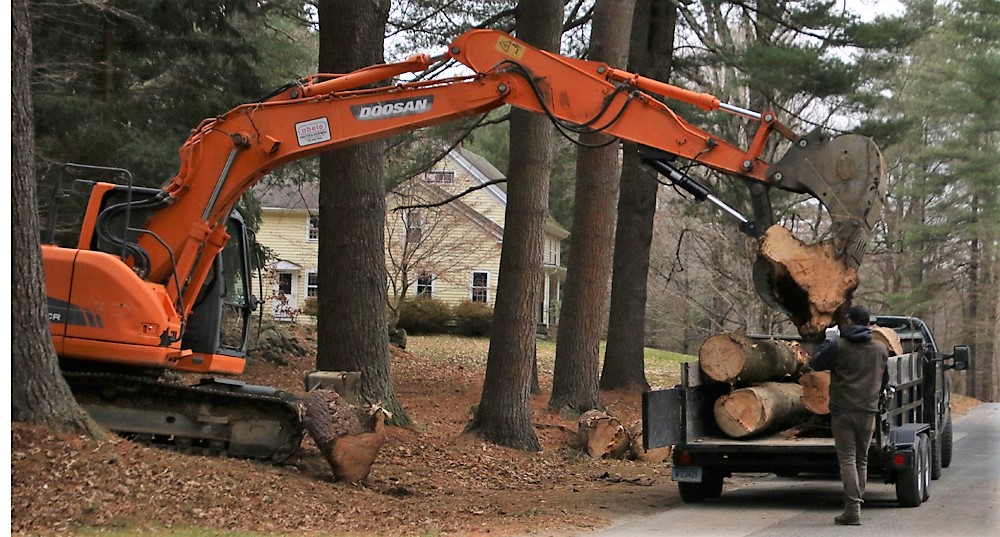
(220, 319)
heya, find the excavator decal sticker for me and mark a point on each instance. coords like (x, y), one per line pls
(65, 313)
(392, 109)
(315, 131)
(510, 47)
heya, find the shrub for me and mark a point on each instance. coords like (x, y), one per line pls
(424, 315)
(311, 306)
(473, 319)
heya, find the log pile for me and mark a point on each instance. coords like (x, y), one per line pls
(772, 386)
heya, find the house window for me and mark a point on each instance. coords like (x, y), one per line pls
(480, 287)
(425, 284)
(312, 283)
(313, 228)
(414, 227)
(442, 177)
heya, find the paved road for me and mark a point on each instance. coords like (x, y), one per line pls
(964, 502)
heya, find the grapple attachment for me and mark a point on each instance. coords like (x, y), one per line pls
(847, 174)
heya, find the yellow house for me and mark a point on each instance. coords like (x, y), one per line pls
(448, 251)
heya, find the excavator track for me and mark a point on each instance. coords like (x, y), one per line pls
(217, 417)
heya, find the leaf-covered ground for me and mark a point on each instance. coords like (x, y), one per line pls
(429, 479)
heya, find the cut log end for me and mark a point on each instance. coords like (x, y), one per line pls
(601, 435)
(721, 357)
(816, 391)
(759, 409)
(810, 281)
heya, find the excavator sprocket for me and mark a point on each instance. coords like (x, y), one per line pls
(218, 417)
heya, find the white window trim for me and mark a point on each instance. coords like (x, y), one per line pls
(416, 283)
(310, 227)
(308, 286)
(472, 282)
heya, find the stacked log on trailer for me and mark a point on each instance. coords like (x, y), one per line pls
(766, 396)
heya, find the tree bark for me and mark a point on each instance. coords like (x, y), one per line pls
(504, 415)
(808, 280)
(816, 391)
(650, 54)
(760, 409)
(636, 451)
(598, 171)
(351, 325)
(737, 359)
(38, 392)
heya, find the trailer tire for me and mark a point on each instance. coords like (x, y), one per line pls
(710, 487)
(947, 443)
(909, 489)
(936, 453)
(926, 477)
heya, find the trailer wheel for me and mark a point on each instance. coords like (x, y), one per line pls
(925, 455)
(909, 489)
(936, 452)
(947, 443)
(710, 487)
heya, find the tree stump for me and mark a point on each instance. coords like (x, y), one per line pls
(760, 409)
(601, 435)
(816, 391)
(636, 452)
(349, 437)
(737, 359)
(809, 280)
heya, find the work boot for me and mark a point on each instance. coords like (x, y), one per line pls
(851, 515)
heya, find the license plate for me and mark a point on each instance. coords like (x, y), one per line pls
(687, 474)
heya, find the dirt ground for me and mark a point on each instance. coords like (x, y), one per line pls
(429, 479)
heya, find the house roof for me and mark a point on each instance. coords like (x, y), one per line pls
(303, 196)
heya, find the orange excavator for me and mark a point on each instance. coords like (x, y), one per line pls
(159, 278)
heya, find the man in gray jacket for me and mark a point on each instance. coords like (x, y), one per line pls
(857, 366)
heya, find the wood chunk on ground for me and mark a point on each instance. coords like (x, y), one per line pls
(349, 437)
(636, 451)
(809, 280)
(601, 435)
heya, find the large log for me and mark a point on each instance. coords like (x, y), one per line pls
(889, 338)
(601, 435)
(737, 359)
(349, 437)
(816, 391)
(760, 409)
(808, 280)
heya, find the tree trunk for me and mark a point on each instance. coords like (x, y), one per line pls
(760, 409)
(351, 328)
(816, 391)
(808, 280)
(736, 359)
(650, 54)
(636, 451)
(38, 392)
(598, 171)
(504, 415)
(349, 437)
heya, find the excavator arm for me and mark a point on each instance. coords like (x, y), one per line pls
(228, 154)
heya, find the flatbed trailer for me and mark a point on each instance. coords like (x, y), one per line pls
(911, 445)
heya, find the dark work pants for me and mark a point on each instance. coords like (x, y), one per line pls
(852, 434)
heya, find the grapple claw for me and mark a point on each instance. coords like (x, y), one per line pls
(847, 174)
